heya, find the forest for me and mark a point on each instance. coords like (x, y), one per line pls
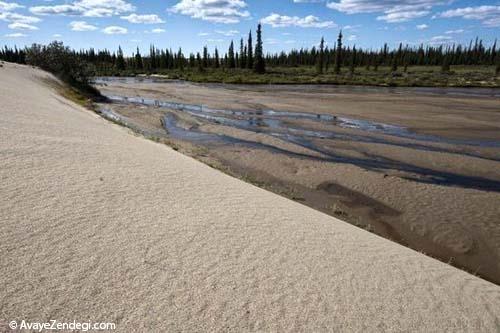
(246, 62)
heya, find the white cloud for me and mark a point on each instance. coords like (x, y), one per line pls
(145, 19)
(115, 30)
(218, 11)
(489, 15)
(453, 32)
(352, 38)
(397, 17)
(9, 6)
(280, 21)
(14, 17)
(82, 26)
(56, 35)
(158, 31)
(394, 11)
(22, 26)
(351, 27)
(16, 35)
(228, 33)
(441, 40)
(203, 34)
(89, 8)
(422, 26)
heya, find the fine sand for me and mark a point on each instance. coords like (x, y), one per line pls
(97, 224)
(439, 197)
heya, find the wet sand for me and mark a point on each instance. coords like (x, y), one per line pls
(421, 167)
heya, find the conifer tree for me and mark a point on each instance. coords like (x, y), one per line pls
(320, 62)
(327, 59)
(243, 55)
(216, 59)
(199, 62)
(493, 53)
(180, 60)
(338, 54)
(205, 57)
(152, 57)
(352, 65)
(192, 60)
(230, 56)
(120, 60)
(259, 63)
(138, 60)
(250, 51)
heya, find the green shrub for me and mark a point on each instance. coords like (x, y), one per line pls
(64, 64)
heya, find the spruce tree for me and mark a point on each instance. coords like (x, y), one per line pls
(327, 59)
(259, 63)
(180, 60)
(493, 53)
(320, 62)
(192, 60)
(152, 56)
(120, 60)
(230, 56)
(216, 59)
(138, 60)
(199, 62)
(243, 55)
(205, 57)
(352, 65)
(338, 54)
(250, 51)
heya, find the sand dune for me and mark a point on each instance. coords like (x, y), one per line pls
(98, 224)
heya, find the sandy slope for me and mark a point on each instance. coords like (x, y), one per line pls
(97, 224)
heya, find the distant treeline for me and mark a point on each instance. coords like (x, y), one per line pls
(250, 57)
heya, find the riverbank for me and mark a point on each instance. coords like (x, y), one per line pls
(414, 76)
(412, 165)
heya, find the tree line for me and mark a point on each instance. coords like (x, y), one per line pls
(244, 55)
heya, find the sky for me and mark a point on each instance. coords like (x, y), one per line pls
(287, 24)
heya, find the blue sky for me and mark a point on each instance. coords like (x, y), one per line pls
(287, 24)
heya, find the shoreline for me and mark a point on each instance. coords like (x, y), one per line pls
(350, 204)
(416, 77)
(315, 83)
(494, 90)
(297, 194)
